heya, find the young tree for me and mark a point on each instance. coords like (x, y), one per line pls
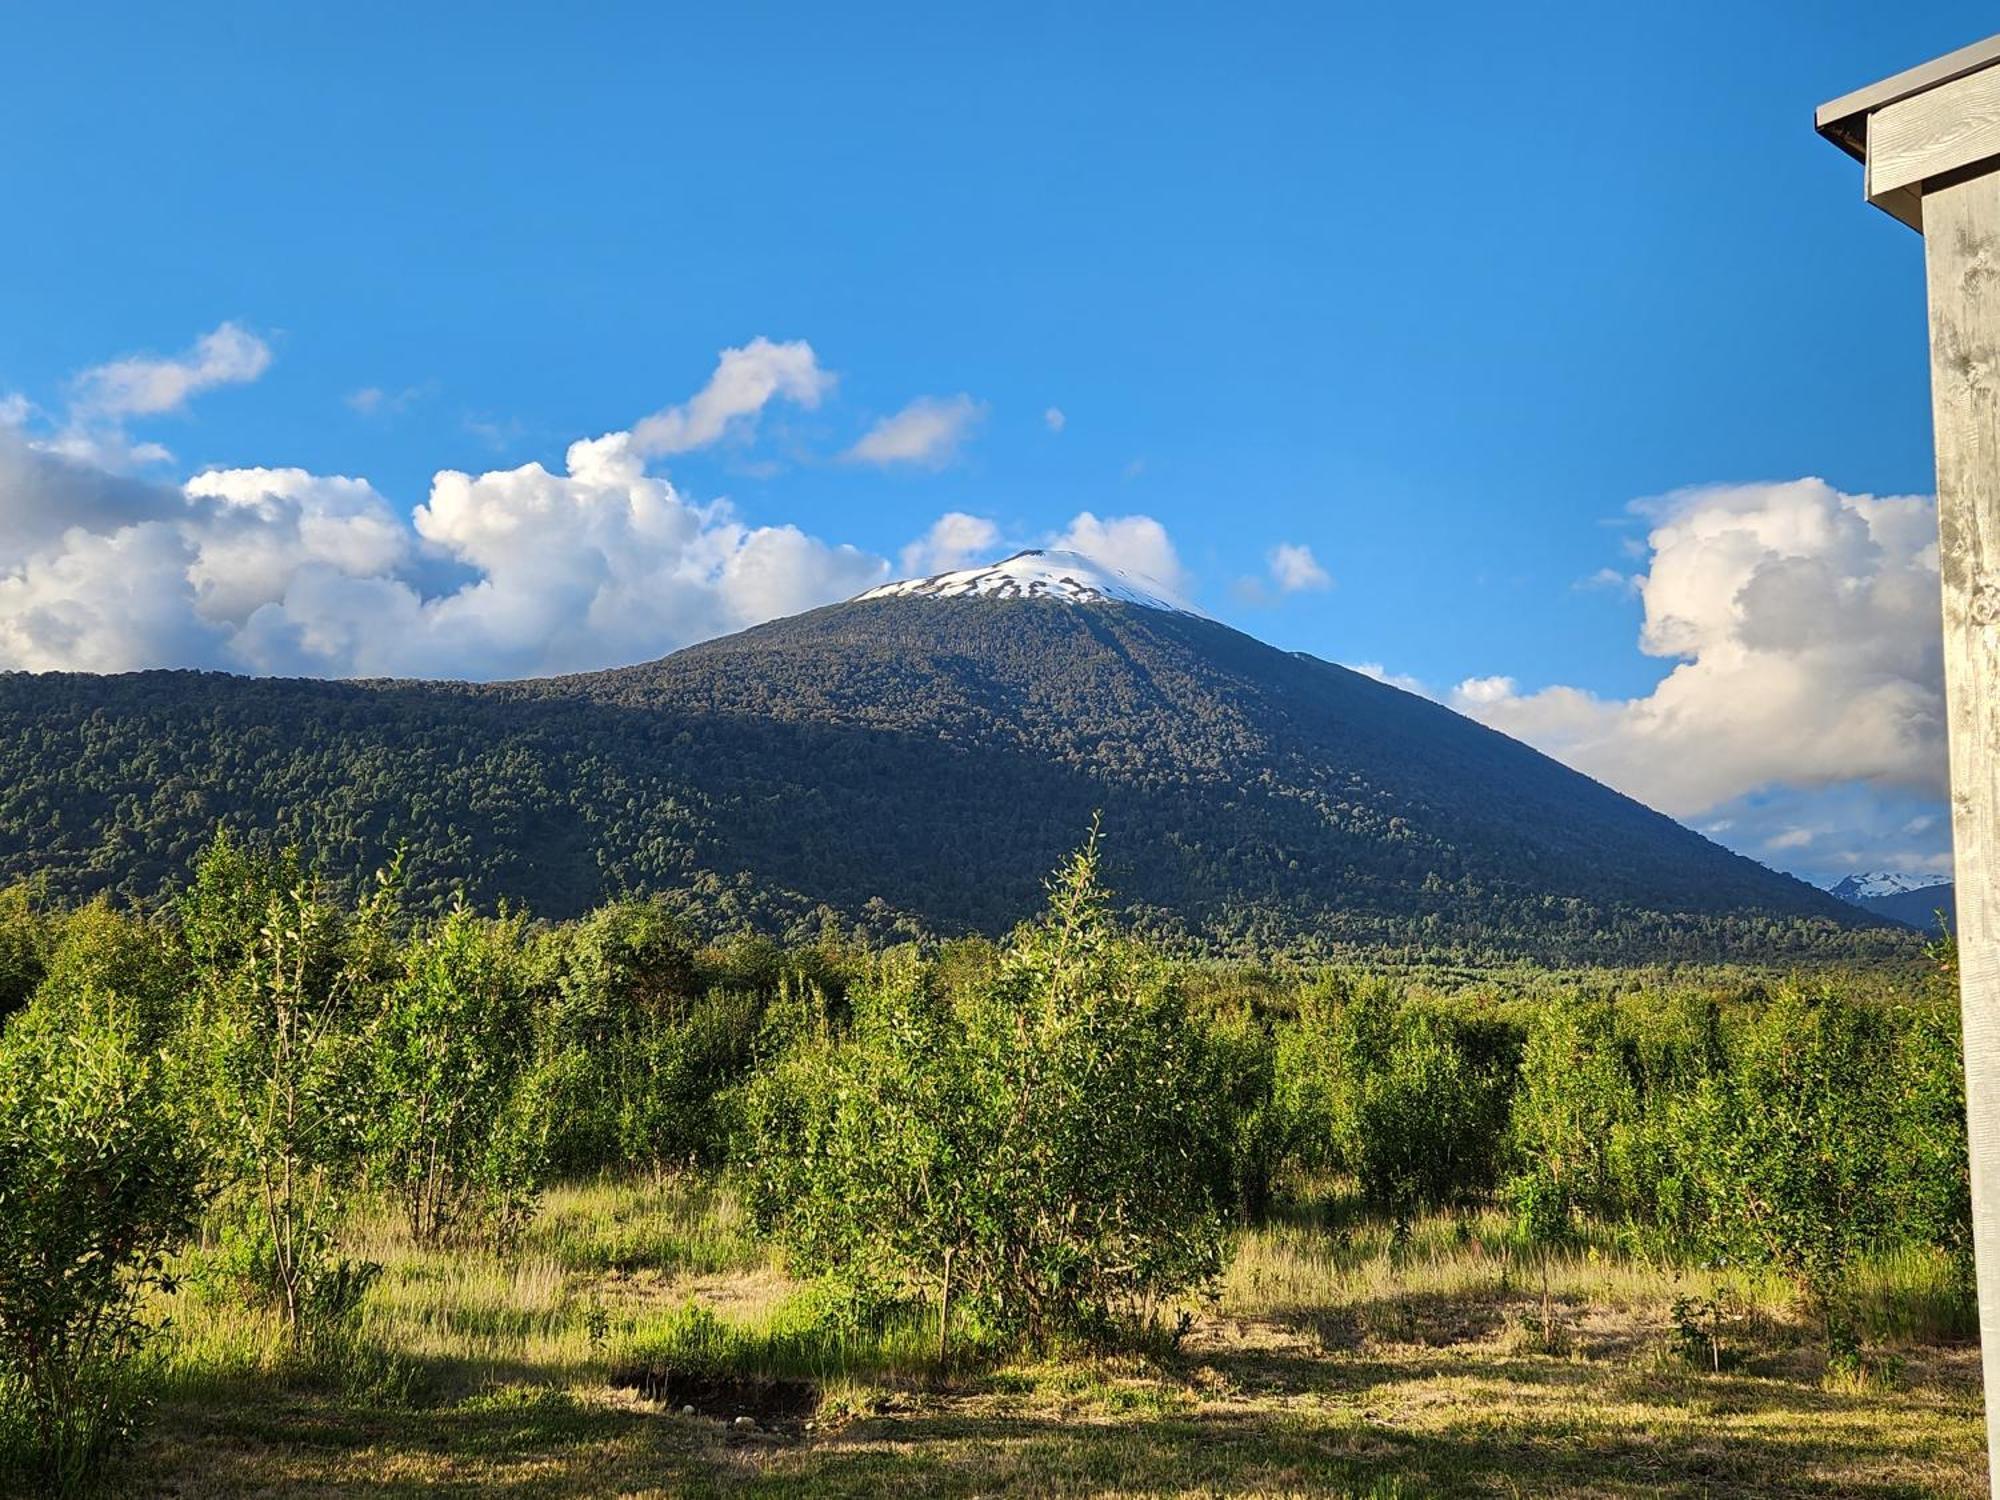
(284, 981)
(1388, 1089)
(25, 938)
(1573, 1111)
(1427, 1120)
(99, 1181)
(1932, 1176)
(620, 990)
(457, 1129)
(1787, 1148)
(1033, 1148)
(1255, 1128)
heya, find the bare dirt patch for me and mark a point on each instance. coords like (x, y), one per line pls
(768, 1401)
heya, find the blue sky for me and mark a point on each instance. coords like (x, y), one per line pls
(1433, 295)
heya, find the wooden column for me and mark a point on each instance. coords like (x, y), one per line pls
(1930, 141)
(1962, 264)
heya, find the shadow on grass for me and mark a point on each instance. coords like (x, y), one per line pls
(1225, 1422)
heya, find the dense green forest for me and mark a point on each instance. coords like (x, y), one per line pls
(989, 1146)
(908, 767)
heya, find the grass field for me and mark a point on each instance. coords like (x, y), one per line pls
(1329, 1360)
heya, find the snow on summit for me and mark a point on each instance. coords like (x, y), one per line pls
(1039, 574)
(1869, 884)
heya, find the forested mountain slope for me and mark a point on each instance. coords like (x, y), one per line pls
(908, 761)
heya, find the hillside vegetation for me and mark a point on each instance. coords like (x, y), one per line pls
(909, 766)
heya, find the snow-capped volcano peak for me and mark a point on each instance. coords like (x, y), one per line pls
(1039, 574)
(1869, 884)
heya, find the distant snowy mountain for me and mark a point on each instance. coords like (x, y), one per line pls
(1037, 574)
(1868, 885)
(1914, 900)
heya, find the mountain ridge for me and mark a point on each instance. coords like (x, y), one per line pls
(1913, 900)
(908, 763)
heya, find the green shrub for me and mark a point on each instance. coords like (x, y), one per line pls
(1929, 1165)
(99, 1181)
(640, 1050)
(1398, 1093)
(1030, 1150)
(1574, 1116)
(1253, 1126)
(285, 982)
(1428, 1122)
(99, 956)
(458, 1118)
(25, 939)
(1786, 1150)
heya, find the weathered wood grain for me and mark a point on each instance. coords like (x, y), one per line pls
(1962, 265)
(1932, 134)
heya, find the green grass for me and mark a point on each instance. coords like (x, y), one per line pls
(1329, 1360)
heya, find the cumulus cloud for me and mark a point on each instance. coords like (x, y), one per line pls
(514, 571)
(280, 570)
(746, 380)
(1138, 544)
(955, 540)
(1402, 680)
(1803, 624)
(1294, 569)
(928, 433)
(508, 572)
(103, 397)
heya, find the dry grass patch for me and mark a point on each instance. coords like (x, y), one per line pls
(1330, 1361)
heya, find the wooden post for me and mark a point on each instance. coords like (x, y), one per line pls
(1930, 142)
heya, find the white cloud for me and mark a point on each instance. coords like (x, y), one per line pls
(516, 571)
(1476, 692)
(955, 540)
(146, 385)
(928, 433)
(1380, 673)
(253, 531)
(1803, 625)
(1138, 544)
(745, 381)
(595, 566)
(1294, 568)
(1054, 419)
(279, 570)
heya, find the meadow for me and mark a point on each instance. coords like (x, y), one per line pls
(1329, 1359)
(305, 1196)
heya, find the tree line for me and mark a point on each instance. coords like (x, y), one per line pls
(1022, 1142)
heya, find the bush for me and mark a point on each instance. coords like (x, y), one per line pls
(1396, 1093)
(99, 1181)
(1254, 1127)
(1030, 1150)
(284, 982)
(1786, 1149)
(1574, 1113)
(1929, 1166)
(640, 1051)
(25, 938)
(458, 1120)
